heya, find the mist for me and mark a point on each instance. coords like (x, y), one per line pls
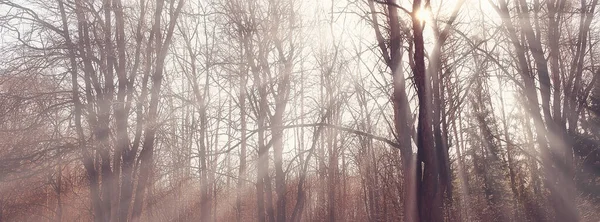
(282, 110)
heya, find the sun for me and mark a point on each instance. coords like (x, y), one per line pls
(423, 15)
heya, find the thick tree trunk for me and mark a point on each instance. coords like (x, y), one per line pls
(399, 99)
(430, 195)
(147, 152)
(277, 132)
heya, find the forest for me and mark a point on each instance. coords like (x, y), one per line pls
(315, 110)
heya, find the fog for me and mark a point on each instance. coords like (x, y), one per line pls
(282, 110)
